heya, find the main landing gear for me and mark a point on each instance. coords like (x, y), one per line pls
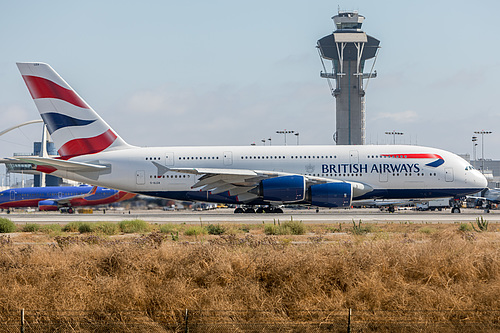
(66, 210)
(455, 204)
(259, 210)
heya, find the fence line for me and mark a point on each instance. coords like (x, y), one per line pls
(208, 320)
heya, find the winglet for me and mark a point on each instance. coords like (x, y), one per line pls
(92, 191)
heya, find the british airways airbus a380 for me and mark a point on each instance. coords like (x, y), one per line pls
(323, 176)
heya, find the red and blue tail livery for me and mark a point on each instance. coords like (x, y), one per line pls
(56, 197)
(73, 125)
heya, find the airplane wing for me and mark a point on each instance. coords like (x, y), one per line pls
(489, 194)
(59, 164)
(241, 182)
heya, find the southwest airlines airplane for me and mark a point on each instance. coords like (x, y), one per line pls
(56, 197)
(322, 176)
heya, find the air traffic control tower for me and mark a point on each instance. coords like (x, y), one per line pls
(348, 48)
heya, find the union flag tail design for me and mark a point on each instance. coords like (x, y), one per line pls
(74, 126)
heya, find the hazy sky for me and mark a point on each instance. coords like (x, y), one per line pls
(232, 72)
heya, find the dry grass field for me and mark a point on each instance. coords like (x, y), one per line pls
(430, 272)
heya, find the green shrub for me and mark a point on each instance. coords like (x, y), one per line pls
(286, 228)
(295, 227)
(103, 228)
(6, 225)
(168, 228)
(72, 227)
(464, 227)
(270, 229)
(85, 227)
(213, 229)
(134, 226)
(30, 227)
(106, 228)
(195, 231)
(51, 228)
(482, 225)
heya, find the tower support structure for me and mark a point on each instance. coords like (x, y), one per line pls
(348, 47)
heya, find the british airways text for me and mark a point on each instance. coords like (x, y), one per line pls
(373, 168)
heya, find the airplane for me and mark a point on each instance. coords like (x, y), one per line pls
(488, 198)
(321, 176)
(53, 198)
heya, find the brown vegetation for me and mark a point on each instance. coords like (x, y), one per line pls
(439, 268)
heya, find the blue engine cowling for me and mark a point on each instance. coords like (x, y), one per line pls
(335, 195)
(283, 189)
(46, 205)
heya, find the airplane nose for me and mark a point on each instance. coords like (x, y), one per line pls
(481, 180)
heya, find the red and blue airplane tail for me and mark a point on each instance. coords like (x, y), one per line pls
(74, 126)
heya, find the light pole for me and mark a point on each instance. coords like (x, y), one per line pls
(394, 133)
(263, 141)
(474, 145)
(285, 132)
(483, 132)
(269, 141)
(297, 135)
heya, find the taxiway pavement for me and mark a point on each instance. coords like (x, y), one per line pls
(227, 216)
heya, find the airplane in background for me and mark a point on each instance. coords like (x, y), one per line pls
(322, 176)
(487, 198)
(55, 197)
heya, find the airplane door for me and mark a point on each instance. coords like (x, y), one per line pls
(12, 195)
(228, 158)
(169, 159)
(140, 177)
(354, 157)
(448, 174)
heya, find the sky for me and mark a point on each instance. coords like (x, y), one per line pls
(185, 73)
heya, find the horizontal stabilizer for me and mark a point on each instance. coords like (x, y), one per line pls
(61, 164)
(67, 199)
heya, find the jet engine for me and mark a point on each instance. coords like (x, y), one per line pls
(284, 189)
(334, 195)
(46, 205)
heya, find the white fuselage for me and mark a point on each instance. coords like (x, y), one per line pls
(392, 171)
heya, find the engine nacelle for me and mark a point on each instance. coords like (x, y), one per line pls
(47, 205)
(335, 195)
(283, 189)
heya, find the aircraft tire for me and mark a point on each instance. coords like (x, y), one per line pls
(250, 211)
(455, 210)
(238, 211)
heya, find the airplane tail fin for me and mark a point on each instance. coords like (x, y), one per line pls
(74, 126)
